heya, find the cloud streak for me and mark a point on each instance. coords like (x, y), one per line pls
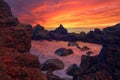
(71, 13)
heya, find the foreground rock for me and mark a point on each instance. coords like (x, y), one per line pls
(63, 52)
(16, 63)
(106, 65)
(51, 65)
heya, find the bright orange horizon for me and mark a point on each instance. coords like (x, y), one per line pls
(70, 13)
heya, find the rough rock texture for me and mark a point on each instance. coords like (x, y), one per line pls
(15, 39)
(12, 33)
(105, 66)
(39, 33)
(64, 52)
(52, 65)
(61, 30)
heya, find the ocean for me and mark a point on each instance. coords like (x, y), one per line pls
(77, 30)
(46, 50)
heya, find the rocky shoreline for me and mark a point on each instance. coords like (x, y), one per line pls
(16, 62)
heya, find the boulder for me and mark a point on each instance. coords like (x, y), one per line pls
(51, 76)
(71, 70)
(84, 48)
(89, 53)
(63, 52)
(52, 65)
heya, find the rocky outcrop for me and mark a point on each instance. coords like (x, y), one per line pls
(39, 33)
(51, 65)
(12, 33)
(15, 39)
(64, 52)
(61, 30)
(106, 65)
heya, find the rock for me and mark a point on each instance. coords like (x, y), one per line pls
(71, 70)
(100, 75)
(5, 10)
(52, 65)
(89, 53)
(63, 52)
(106, 65)
(15, 38)
(61, 30)
(70, 43)
(51, 76)
(12, 33)
(39, 33)
(84, 48)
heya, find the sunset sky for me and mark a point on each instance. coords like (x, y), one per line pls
(70, 13)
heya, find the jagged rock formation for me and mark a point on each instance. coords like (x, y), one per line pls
(15, 39)
(105, 66)
(61, 30)
(39, 33)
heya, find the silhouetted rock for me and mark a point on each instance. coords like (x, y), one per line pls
(84, 48)
(61, 30)
(39, 33)
(64, 52)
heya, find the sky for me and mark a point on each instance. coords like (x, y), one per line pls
(70, 13)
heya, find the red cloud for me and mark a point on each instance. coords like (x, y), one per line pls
(71, 13)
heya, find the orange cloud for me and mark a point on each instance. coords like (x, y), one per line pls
(70, 13)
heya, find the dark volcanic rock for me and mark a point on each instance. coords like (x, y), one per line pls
(5, 10)
(84, 48)
(12, 33)
(105, 66)
(39, 33)
(72, 43)
(63, 52)
(61, 30)
(51, 76)
(71, 70)
(52, 65)
(15, 38)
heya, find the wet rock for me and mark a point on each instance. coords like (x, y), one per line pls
(100, 75)
(52, 65)
(89, 53)
(84, 48)
(70, 43)
(51, 76)
(63, 52)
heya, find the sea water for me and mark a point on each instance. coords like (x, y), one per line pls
(77, 30)
(46, 50)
